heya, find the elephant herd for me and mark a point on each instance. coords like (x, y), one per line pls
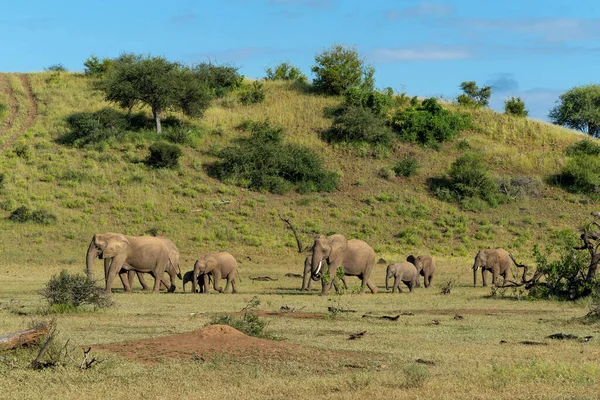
(332, 259)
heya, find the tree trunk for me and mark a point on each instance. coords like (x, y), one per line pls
(23, 338)
(156, 114)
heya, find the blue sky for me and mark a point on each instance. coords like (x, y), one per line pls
(530, 48)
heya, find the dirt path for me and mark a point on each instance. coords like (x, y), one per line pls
(12, 111)
(16, 108)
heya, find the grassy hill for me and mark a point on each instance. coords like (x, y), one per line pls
(107, 190)
(474, 346)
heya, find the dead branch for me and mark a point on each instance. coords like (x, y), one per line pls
(339, 310)
(87, 362)
(426, 362)
(35, 364)
(290, 275)
(262, 278)
(301, 248)
(357, 335)
(24, 338)
(387, 317)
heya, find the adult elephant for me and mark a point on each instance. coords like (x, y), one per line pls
(497, 261)
(122, 253)
(164, 283)
(354, 256)
(219, 265)
(425, 266)
(307, 282)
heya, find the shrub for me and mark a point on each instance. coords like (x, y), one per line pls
(250, 324)
(265, 162)
(222, 79)
(379, 103)
(95, 67)
(164, 155)
(406, 167)
(285, 72)
(581, 174)
(93, 128)
(583, 147)
(518, 187)
(515, 106)
(25, 214)
(386, 173)
(354, 124)
(67, 292)
(474, 96)
(429, 124)
(252, 94)
(56, 68)
(468, 179)
(339, 68)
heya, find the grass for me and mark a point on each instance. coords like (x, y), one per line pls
(105, 189)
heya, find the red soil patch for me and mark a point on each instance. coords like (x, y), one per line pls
(210, 341)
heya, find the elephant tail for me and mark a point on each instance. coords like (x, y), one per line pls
(238, 275)
(176, 267)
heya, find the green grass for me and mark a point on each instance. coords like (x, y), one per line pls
(106, 189)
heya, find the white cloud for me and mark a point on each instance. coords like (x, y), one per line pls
(424, 53)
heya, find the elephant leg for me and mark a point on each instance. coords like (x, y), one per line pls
(206, 283)
(140, 276)
(428, 280)
(372, 287)
(115, 267)
(124, 276)
(410, 286)
(418, 282)
(395, 286)
(233, 284)
(483, 277)
(227, 284)
(343, 279)
(217, 280)
(306, 281)
(494, 277)
(107, 262)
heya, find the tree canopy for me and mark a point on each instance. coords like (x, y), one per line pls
(579, 108)
(339, 68)
(473, 95)
(157, 83)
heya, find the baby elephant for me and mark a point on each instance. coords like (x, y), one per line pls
(219, 265)
(188, 276)
(425, 266)
(401, 272)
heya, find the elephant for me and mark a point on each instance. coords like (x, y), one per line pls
(425, 266)
(188, 276)
(402, 272)
(495, 260)
(307, 282)
(122, 253)
(355, 257)
(220, 265)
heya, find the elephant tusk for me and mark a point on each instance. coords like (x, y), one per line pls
(319, 267)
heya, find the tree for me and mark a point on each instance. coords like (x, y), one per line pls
(95, 67)
(339, 68)
(579, 108)
(285, 72)
(515, 106)
(157, 83)
(221, 79)
(473, 96)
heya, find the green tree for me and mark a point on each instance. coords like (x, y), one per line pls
(95, 67)
(579, 108)
(339, 68)
(285, 72)
(221, 79)
(474, 96)
(515, 106)
(157, 83)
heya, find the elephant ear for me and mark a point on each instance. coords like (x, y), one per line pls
(211, 263)
(338, 245)
(116, 244)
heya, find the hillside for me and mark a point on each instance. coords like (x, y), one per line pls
(107, 190)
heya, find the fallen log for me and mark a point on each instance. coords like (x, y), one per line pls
(24, 338)
(388, 317)
(263, 278)
(339, 310)
(357, 335)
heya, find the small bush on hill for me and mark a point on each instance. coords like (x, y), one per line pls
(583, 147)
(25, 214)
(252, 94)
(338, 69)
(56, 68)
(469, 183)
(518, 187)
(474, 96)
(95, 67)
(354, 124)
(93, 128)
(67, 292)
(285, 72)
(164, 155)
(429, 124)
(222, 79)
(406, 167)
(379, 103)
(515, 106)
(265, 162)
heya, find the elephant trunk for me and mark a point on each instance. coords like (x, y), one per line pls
(387, 278)
(92, 253)
(316, 265)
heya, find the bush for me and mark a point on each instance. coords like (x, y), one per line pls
(67, 292)
(25, 214)
(354, 124)
(164, 155)
(468, 180)
(474, 96)
(581, 174)
(583, 147)
(252, 94)
(429, 124)
(285, 72)
(338, 69)
(250, 324)
(93, 128)
(264, 162)
(56, 68)
(95, 67)
(222, 79)
(379, 103)
(518, 187)
(406, 167)
(515, 106)
(386, 173)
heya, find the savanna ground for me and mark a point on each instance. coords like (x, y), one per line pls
(105, 189)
